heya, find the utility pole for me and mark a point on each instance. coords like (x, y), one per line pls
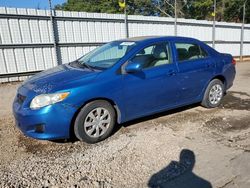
(126, 19)
(213, 31)
(222, 10)
(123, 5)
(53, 33)
(175, 18)
(242, 31)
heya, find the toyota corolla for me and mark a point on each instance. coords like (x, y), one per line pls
(121, 81)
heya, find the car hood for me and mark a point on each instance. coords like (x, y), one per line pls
(58, 78)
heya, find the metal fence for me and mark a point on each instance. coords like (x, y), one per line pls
(31, 40)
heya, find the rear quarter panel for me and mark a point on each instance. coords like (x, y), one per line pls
(226, 68)
(223, 65)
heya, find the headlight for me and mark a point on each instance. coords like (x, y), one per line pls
(47, 99)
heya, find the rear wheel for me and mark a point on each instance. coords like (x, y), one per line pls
(213, 94)
(95, 121)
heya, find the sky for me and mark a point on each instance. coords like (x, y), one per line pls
(42, 4)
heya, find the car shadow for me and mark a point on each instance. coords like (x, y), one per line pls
(179, 174)
(154, 116)
(232, 100)
(73, 138)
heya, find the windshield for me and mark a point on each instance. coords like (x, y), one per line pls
(107, 55)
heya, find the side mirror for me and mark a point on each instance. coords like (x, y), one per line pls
(133, 67)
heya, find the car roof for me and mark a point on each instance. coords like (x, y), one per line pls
(151, 38)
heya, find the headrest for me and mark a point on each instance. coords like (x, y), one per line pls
(182, 53)
(194, 50)
(142, 52)
(160, 52)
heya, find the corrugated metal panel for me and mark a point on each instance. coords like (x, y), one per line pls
(5, 32)
(10, 60)
(30, 59)
(234, 48)
(20, 61)
(44, 31)
(64, 54)
(3, 65)
(35, 31)
(228, 34)
(246, 49)
(39, 58)
(84, 32)
(247, 34)
(15, 31)
(25, 31)
(48, 60)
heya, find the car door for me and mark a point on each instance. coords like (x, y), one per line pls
(196, 68)
(154, 87)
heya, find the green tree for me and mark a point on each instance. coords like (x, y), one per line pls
(226, 10)
(234, 11)
(140, 7)
(196, 9)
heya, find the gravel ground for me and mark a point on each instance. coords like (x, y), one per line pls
(187, 147)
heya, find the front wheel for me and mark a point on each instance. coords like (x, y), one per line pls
(95, 121)
(213, 94)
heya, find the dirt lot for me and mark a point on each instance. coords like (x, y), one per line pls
(187, 147)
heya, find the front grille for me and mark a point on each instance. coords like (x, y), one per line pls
(20, 98)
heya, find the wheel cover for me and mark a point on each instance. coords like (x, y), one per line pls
(215, 94)
(97, 122)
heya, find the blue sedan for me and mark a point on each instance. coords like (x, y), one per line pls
(121, 81)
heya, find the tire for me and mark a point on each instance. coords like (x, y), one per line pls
(212, 96)
(95, 121)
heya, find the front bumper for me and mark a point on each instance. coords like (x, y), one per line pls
(47, 123)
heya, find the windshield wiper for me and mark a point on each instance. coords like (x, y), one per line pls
(85, 65)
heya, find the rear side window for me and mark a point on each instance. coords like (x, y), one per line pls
(188, 51)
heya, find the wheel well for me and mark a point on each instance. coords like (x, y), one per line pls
(221, 78)
(117, 113)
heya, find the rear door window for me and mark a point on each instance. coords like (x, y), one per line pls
(188, 51)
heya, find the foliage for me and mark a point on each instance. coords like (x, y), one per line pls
(141, 7)
(226, 10)
(234, 11)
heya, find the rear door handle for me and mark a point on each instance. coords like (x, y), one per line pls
(209, 65)
(171, 73)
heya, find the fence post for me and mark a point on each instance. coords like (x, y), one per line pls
(213, 31)
(53, 33)
(175, 18)
(242, 32)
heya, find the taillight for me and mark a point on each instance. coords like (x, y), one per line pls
(233, 62)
